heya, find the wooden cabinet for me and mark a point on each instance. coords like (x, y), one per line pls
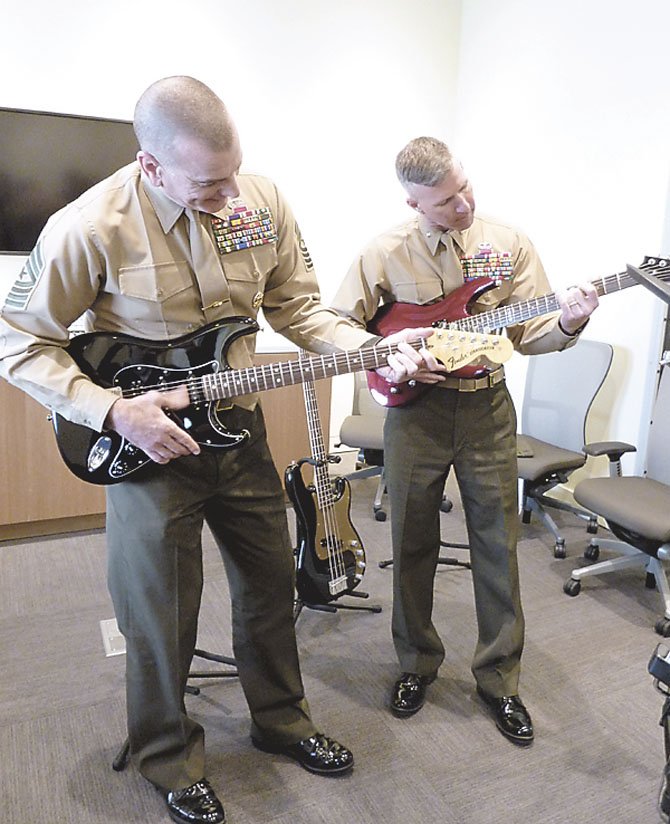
(38, 494)
(285, 417)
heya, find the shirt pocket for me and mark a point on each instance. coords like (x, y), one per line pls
(157, 282)
(247, 273)
(418, 291)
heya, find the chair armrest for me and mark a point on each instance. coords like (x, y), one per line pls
(613, 449)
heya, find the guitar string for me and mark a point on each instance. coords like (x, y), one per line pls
(323, 484)
(512, 313)
(271, 376)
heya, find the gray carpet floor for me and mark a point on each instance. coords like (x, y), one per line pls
(598, 754)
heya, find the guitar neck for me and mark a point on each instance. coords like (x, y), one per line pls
(322, 484)
(525, 310)
(231, 383)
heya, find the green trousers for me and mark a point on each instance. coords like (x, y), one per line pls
(475, 432)
(154, 527)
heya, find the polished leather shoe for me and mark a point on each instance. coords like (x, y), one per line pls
(409, 693)
(318, 754)
(196, 804)
(511, 717)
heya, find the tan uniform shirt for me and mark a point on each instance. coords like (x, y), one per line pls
(120, 257)
(416, 263)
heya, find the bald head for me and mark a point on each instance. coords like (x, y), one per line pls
(181, 108)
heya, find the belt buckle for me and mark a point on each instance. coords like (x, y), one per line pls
(468, 384)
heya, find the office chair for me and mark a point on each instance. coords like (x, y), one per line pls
(559, 391)
(364, 430)
(636, 508)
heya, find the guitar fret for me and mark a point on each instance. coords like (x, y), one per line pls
(233, 382)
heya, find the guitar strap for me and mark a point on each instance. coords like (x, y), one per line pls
(214, 290)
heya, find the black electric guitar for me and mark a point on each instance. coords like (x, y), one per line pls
(198, 362)
(453, 312)
(330, 555)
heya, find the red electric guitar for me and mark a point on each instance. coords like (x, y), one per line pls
(453, 313)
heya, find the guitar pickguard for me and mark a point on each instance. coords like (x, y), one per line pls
(200, 420)
(117, 361)
(314, 576)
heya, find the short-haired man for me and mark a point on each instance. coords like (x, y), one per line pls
(168, 244)
(469, 424)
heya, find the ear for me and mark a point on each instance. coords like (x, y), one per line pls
(413, 204)
(151, 168)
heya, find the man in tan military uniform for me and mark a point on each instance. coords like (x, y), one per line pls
(469, 424)
(165, 245)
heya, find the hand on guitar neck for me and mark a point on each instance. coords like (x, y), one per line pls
(142, 420)
(576, 304)
(408, 363)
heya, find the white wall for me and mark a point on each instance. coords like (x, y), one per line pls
(561, 120)
(558, 111)
(323, 93)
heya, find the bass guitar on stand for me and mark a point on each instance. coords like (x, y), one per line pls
(330, 559)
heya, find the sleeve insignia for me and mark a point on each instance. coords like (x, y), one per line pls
(23, 286)
(304, 251)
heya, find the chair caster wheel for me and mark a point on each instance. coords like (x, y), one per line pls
(559, 548)
(380, 515)
(592, 528)
(572, 587)
(662, 627)
(592, 552)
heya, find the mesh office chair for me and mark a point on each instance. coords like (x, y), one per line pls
(364, 430)
(636, 508)
(559, 391)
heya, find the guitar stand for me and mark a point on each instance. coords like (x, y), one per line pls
(299, 604)
(121, 759)
(442, 560)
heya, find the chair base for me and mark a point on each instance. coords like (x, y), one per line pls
(537, 504)
(629, 557)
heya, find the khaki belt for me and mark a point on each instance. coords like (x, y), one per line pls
(473, 384)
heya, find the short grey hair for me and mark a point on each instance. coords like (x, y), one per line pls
(424, 160)
(181, 106)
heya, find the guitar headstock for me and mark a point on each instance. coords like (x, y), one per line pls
(658, 266)
(456, 349)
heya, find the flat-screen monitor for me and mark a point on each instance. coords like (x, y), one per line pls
(49, 159)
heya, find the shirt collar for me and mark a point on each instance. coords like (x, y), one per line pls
(433, 236)
(167, 211)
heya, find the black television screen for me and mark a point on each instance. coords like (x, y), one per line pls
(46, 161)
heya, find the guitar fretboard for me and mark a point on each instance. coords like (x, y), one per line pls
(232, 383)
(525, 310)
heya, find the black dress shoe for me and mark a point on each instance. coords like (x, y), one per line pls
(409, 693)
(511, 717)
(318, 754)
(196, 804)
